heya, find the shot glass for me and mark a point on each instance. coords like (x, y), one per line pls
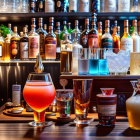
(106, 107)
(82, 92)
(63, 100)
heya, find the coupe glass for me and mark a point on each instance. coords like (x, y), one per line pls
(39, 92)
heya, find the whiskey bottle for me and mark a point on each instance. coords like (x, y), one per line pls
(50, 44)
(6, 48)
(99, 34)
(116, 38)
(14, 45)
(57, 33)
(24, 45)
(136, 38)
(93, 34)
(107, 39)
(33, 43)
(84, 35)
(126, 40)
(42, 35)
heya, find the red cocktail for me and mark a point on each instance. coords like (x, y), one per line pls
(39, 92)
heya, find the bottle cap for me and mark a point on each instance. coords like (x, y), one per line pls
(125, 23)
(99, 24)
(24, 29)
(64, 22)
(15, 29)
(87, 21)
(45, 26)
(57, 23)
(9, 25)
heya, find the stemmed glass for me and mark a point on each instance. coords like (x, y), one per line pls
(39, 92)
(134, 85)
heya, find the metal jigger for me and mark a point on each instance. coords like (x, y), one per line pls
(38, 68)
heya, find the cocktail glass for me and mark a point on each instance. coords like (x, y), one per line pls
(134, 85)
(39, 92)
(107, 91)
(82, 93)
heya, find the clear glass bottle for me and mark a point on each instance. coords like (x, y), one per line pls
(42, 35)
(49, 6)
(14, 45)
(84, 34)
(3, 6)
(50, 44)
(76, 33)
(6, 48)
(123, 5)
(107, 39)
(134, 5)
(84, 6)
(24, 41)
(136, 38)
(110, 6)
(9, 26)
(99, 34)
(57, 33)
(93, 34)
(66, 52)
(116, 38)
(34, 44)
(126, 40)
(25, 6)
(73, 5)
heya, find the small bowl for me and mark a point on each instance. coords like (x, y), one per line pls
(107, 91)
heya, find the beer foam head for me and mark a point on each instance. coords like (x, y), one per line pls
(134, 99)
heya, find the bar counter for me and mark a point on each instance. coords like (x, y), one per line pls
(17, 128)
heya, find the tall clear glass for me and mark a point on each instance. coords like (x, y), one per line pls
(39, 92)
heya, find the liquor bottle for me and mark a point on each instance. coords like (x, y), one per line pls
(69, 28)
(40, 6)
(118, 30)
(33, 43)
(6, 48)
(107, 39)
(50, 44)
(51, 21)
(42, 35)
(134, 5)
(99, 34)
(57, 33)
(84, 34)
(49, 6)
(93, 34)
(126, 40)
(14, 45)
(1, 46)
(24, 45)
(84, 5)
(136, 38)
(110, 6)
(123, 5)
(33, 6)
(73, 5)
(95, 6)
(62, 6)
(102, 2)
(45, 29)
(76, 33)
(33, 20)
(10, 30)
(66, 52)
(116, 38)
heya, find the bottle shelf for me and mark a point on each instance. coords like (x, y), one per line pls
(72, 15)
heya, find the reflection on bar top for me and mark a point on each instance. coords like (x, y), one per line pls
(30, 61)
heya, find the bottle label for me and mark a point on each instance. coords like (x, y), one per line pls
(33, 46)
(66, 47)
(84, 40)
(23, 50)
(49, 6)
(107, 43)
(107, 110)
(84, 6)
(110, 5)
(124, 6)
(73, 5)
(42, 43)
(50, 48)
(0, 50)
(14, 48)
(93, 41)
(127, 44)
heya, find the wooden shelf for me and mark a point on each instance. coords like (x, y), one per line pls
(105, 77)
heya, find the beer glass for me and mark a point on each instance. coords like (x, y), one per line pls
(82, 92)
